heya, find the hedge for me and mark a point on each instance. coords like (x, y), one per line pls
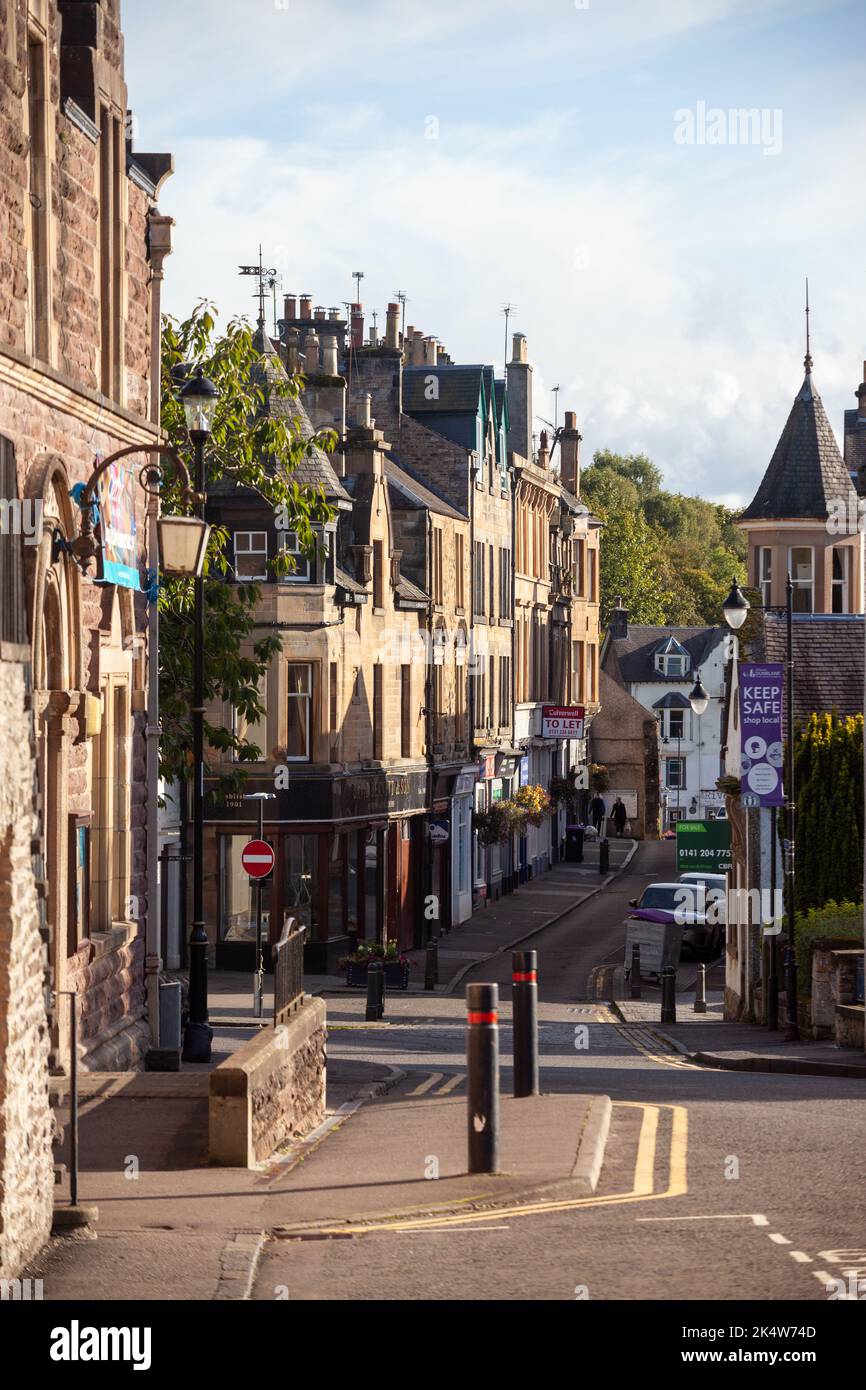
(843, 919)
(828, 765)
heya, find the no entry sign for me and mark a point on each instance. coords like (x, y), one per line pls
(257, 858)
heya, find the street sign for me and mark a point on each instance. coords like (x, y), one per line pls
(703, 844)
(559, 721)
(257, 858)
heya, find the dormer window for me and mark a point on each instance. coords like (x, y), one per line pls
(251, 555)
(290, 544)
(672, 660)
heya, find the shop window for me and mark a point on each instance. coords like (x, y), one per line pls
(373, 879)
(301, 880)
(237, 898)
(354, 861)
(251, 555)
(300, 684)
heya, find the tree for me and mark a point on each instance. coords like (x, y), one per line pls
(828, 773)
(259, 447)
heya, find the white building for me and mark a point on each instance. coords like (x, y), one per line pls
(658, 667)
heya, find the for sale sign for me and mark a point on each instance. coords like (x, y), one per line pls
(564, 721)
(761, 687)
(703, 844)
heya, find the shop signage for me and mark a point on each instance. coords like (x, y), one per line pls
(523, 778)
(487, 767)
(438, 831)
(464, 784)
(562, 721)
(703, 844)
(760, 687)
(507, 765)
(257, 858)
(119, 552)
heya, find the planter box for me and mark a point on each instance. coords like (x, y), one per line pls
(396, 975)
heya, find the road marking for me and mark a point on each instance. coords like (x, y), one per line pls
(451, 1084)
(677, 1187)
(823, 1277)
(647, 1045)
(458, 1230)
(646, 1150)
(780, 1240)
(427, 1085)
(754, 1217)
(800, 1257)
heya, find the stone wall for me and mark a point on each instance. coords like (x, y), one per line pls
(26, 1125)
(270, 1089)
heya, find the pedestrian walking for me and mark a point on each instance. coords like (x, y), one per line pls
(597, 811)
(619, 816)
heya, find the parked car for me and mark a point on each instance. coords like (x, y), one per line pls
(666, 900)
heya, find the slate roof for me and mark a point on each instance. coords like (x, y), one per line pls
(461, 389)
(806, 470)
(419, 494)
(347, 581)
(635, 654)
(828, 660)
(406, 589)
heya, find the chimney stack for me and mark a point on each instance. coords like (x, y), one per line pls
(618, 621)
(306, 303)
(361, 413)
(291, 340)
(417, 358)
(518, 379)
(569, 454)
(290, 306)
(357, 325)
(311, 353)
(392, 326)
(543, 459)
(431, 352)
(329, 355)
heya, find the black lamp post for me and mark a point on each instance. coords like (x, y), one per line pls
(199, 397)
(736, 608)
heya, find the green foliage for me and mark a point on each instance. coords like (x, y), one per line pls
(835, 919)
(669, 557)
(257, 443)
(828, 783)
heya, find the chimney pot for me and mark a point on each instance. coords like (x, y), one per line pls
(311, 352)
(306, 302)
(519, 350)
(392, 326)
(329, 355)
(290, 306)
(292, 339)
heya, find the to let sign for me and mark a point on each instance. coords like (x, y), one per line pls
(257, 858)
(565, 721)
(761, 688)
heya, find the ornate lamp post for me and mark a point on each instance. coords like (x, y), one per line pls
(736, 609)
(199, 398)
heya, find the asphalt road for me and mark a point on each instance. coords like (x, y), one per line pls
(716, 1185)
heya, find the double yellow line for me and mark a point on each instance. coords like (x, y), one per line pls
(642, 1190)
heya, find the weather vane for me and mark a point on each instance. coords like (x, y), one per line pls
(265, 276)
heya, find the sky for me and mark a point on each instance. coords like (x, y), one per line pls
(574, 158)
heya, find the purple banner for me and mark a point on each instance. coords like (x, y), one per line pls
(761, 689)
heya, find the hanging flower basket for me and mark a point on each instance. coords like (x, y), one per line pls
(534, 802)
(504, 818)
(600, 777)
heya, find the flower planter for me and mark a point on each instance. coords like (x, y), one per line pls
(396, 974)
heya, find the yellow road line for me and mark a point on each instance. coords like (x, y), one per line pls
(677, 1187)
(427, 1085)
(451, 1084)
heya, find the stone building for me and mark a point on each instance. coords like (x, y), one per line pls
(83, 246)
(556, 596)
(78, 344)
(855, 438)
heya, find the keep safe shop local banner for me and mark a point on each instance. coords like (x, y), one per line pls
(761, 687)
(119, 554)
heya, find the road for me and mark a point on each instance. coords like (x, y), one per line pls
(715, 1185)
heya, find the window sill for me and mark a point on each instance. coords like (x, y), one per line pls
(506, 622)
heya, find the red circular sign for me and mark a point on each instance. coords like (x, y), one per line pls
(257, 858)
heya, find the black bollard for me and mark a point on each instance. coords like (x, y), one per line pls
(381, 988)
(669, 999)
(374, 970)
(524, 998)
(482, 1065)
(701, 990)
(635, 971)
(431, 965)
(604, 857)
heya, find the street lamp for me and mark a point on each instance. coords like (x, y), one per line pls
(736, 608)
(698, 698)
(199, 399)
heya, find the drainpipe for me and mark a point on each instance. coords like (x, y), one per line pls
(428, 722)
(159, 243)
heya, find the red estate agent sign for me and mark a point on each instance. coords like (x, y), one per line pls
(257, 858)
(562, 722)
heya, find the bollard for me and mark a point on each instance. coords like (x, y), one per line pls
(431, 965)
(524, 999)
(482, 1066)
(635, 971)
(381, 988)
(372, 1010)
(701, 990)
(604, 857)
(669, 1001)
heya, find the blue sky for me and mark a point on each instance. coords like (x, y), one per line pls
(474, 152)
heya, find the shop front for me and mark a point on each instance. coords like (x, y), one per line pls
(355, 874)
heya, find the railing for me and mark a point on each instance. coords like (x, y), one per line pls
(288, 956)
